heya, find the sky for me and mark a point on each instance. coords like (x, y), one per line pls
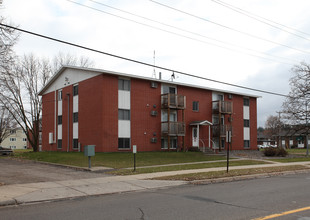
(199, 37)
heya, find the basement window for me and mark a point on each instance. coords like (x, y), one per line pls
(75, 143)
(123, 143)
(246, 144)
(59, 143)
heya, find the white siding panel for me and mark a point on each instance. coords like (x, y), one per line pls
(246, 133)
(71, 77)
(75, 130)
(123, 99)
(123, 129)
(59, 132)
(75, 103)
(59, 108)
(246, 112)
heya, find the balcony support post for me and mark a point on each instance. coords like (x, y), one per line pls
(169, 124)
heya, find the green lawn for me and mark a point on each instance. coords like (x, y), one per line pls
(185, 167)
(117, 160)
(288, 160)
(231, 173)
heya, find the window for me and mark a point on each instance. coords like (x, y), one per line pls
(246, 123)
(59, 119)
(24, 139)
(59, 95)
(13, 132)
(123, 114)
(59, 144)
(12, 139)
(124, 143)
(173, 143)
(124, 84)
(75, 143)
(75, 117)
(75, 90)
(246, 144)
(195, 106)
(246, 102)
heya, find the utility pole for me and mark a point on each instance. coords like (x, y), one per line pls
(279, 129)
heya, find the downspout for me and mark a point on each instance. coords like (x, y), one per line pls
(68, 94)
(55, 122)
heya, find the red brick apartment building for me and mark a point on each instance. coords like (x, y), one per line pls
(115, 111)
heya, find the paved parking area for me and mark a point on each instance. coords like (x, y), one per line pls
(14, 171)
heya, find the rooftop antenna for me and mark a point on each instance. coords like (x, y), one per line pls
(154, 72)
(172, 76)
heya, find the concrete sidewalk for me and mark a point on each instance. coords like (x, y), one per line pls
(58, 190)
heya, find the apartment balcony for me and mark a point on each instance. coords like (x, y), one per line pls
(223, 107)
(220, 130)
(173, 128)
(173, 101)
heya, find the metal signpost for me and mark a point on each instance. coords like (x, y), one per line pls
(228, 140)
(134, 151)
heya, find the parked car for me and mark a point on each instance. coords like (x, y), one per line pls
(5, 151)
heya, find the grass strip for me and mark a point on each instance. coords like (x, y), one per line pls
(117, 160)
(231, 173)
(294, 159)
(185, 167)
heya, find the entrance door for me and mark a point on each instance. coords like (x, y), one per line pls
(195, 137)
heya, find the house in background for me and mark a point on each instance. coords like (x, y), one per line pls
(114, 111)
(16, 140)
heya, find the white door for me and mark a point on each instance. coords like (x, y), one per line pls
(195, 136)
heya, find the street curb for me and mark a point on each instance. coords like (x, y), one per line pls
(8, 202)
(245, 177)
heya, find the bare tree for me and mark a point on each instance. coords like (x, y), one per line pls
(20, 86)
(62, 59)
(6, 124)
(296, 106)
(272, 126)
(8, 38)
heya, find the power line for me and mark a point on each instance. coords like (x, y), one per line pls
(187, 31)
(191, 38)
(229, 28)
(140, 62)
(262, 19)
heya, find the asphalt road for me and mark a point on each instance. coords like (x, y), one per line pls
(14, 171)
(247, 199)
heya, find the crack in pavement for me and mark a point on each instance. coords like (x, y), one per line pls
(142, 214)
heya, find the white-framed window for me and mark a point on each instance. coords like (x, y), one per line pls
(59, 95)
(59, 119)
(75, 117)
(75, 90)
(246, 102)
(123, 114)
(12, 139)
(13, 132)
(173, 143)
(24, 139)
(195, 106)
(124, 84)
